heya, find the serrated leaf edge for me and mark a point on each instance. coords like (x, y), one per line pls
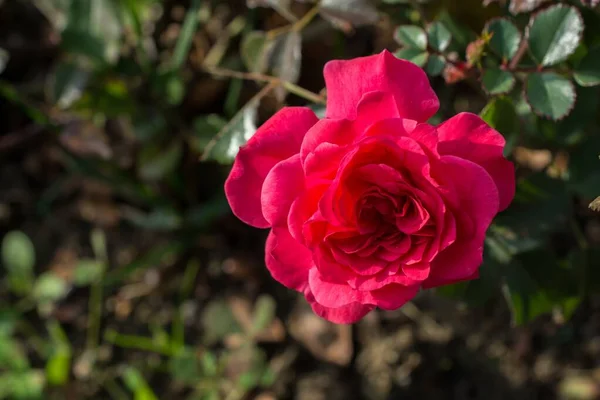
(487, 24)
(542, 115)
(536, 14)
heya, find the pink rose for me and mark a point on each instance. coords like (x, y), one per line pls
(371, 203)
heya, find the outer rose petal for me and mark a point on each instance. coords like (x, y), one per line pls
(277, 139)
(347, 314)
(348, 81)
(467, 136)
(287, 260)
(281, 187)
(477, 194)
(331, 294)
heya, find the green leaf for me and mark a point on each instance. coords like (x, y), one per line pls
(49, 288)
(550, 95)
(58, 366)
(415, 56)
(411, 36)
(554, 34)
(224, 146)
(527, 300)
(439, 36)
(18, 258)
(587, 72)
(500, 114)
(435, 65)
(18, 253)
(496, 81)
(505, 37)
(136, 383)
(88, 271)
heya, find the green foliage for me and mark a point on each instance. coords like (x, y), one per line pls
(554, 34)
(505, 38)
(550, 95)
(411, 36)
(497, 81)
(587, 72)
(439, 36)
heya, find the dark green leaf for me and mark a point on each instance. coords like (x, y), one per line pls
(550, 95)
(439, 36)
(411, 36)
(587, 72)
(505, 37)
(496, 81)
(416, 56)
(554, 34)
(435, 65)
(500, 114)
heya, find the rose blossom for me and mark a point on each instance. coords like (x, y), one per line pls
(371, 203)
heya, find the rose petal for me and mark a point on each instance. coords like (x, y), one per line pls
(348, 81)
(468, 136)
(392, 297)
(278, 139)
(282, 186)
(477, 193)
(372, 107)
(339, 132)
(287, 260)
(348, 314)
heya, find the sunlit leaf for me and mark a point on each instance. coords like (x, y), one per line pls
(439, 36)
(411, 36)
(356, 12)
(554, 34)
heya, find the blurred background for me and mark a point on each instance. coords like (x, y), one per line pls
(125, 276)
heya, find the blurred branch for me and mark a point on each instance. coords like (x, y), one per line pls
(256, 77)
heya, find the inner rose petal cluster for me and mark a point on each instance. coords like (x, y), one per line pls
(370, 204)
